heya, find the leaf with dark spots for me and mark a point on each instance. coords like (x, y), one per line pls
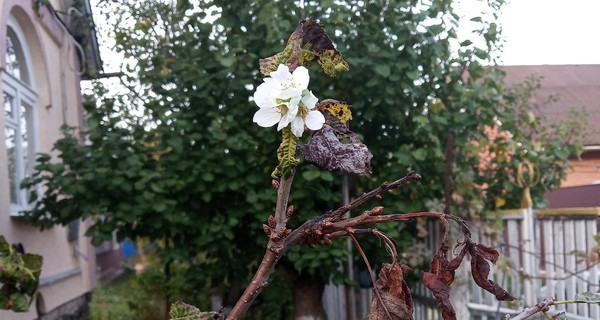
(480, 269)
(393, 294)
(308, 42)
(327, 151)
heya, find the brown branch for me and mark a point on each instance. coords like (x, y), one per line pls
(258, 283)
(384, 187)
(311, 232)
(315, 231)
(281, 209)
(448, 172)
(528, 312)
(275, 250)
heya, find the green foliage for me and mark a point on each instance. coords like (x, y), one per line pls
(19, 277)
(131, 296)
(112, 300)
(534, 139)
(178, 158)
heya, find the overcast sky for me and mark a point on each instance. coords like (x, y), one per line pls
(551, 32)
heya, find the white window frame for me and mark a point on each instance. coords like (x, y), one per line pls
(22, 93)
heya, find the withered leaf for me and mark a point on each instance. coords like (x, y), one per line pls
(480, 269)
(327, 151)
(394, 293)
(438, 280)
(308, 42)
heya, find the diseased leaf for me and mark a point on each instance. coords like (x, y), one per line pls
(19, 276)
(338, 109)
(480, 269)
(560, 316)
(183, 311)
(19, 302)
(308, 42)
(588, 297)
(394, 293)
(326, 149)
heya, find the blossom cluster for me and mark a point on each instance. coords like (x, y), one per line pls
(284, 99)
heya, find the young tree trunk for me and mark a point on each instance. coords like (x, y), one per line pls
(308, 298)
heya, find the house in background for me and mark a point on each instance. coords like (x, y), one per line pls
(575, 86)
(45, 52)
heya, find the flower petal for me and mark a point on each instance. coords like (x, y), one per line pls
(287, 117)
(264, 97)
(298, 126)
(290, 92)
(266, 117)
(309, 100)
(314, 120)
(282, 74)
(301, 77)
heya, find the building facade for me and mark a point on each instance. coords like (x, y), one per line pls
(41, 65)
(574, 86)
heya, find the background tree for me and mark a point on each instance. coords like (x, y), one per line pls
(177, 158)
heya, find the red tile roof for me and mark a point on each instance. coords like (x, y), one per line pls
(575, 85)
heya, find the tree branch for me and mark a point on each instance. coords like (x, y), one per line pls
(528, 312)
(318, 230)
(275, 250)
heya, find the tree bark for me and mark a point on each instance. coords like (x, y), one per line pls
(308, 298)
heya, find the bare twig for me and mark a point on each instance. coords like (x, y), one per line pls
(371, 273)
(384, 187)
(528, 312)
(283, 193)
(275, 250)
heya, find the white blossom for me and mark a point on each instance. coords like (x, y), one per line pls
(283, 98)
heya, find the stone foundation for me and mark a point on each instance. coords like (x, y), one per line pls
(76, 309)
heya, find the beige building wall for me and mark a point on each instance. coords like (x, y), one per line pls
(584, 171)
(69, 266)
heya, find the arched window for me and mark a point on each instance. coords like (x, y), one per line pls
(19, 114)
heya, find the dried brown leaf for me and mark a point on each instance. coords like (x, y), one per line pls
(394, 293)
(327, 151)
(480, 270)
(439, 278)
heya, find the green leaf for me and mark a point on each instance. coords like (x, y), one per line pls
(383, 70)
(19, 302)
(208, 176)
(327, 176)
(419, 154)
(227, 61)
(19, 276)
(310, 175)
(5, 249)
(413, 75)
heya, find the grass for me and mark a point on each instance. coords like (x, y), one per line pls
(125, 299)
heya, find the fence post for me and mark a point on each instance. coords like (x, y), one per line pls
(527, 176)
(528, 246)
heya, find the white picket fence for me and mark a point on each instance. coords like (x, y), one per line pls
(542, 255)
(545, 250)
